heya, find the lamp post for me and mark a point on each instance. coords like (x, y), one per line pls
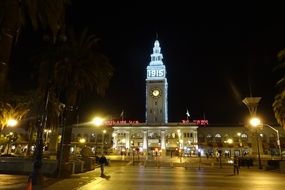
(239, 143)
(180, 141)
(99, 121)
(255, 122)
(258, 122)
(10, 123)
(102, 148)
(278, 139)
(46, 131)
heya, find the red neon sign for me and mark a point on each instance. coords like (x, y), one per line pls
(121, 122)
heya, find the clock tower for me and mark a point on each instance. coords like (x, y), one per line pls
(156, 88)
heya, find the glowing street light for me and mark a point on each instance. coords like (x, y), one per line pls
(98, 121)
(256, 122)
(47, 131)
(12, 122)
(230, 141)
(82, 140)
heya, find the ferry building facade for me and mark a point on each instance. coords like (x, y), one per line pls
(156, 135)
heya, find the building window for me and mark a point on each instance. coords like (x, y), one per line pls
(186, 135)
(244, 137)
(218, 137)
(209, 138)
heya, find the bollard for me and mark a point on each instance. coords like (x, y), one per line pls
(29, 185)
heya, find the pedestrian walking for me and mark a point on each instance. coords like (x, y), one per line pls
(236, 165)
(103, 161)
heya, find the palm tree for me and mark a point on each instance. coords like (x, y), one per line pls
(75, 68)
(11, 112)
(49, 15)
(279, 100)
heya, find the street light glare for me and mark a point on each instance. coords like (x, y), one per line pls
(98, 121)
(82, 140)
(230, 141)
(254, 122)
(12, 122)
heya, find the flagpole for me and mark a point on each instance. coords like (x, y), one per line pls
(122, 115)
(187, 115)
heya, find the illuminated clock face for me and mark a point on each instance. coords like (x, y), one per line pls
(155, 92)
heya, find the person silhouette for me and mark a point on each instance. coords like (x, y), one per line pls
(103, 161)
(236, 165)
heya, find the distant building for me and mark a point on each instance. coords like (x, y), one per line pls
(158, 136)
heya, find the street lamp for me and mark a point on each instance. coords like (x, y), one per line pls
(102, 148)
(12, 122)
(239, 143)
(99, 121)
(255, 122)
(278, 138)
(47, 131)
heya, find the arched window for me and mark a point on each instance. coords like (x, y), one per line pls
(209, 138)
(218, 137)
(92, 137)
(244, 137)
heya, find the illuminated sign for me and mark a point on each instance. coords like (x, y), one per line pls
(197, 122)
(201, 122)
(155, 73)
(121, 122)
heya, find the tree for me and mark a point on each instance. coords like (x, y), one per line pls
(48, 15)
(279, 100)
(75, 68)
(9, 112)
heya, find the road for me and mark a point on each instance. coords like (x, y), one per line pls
(138, 177)
(210, 178)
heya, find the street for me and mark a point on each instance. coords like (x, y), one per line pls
(139, 177)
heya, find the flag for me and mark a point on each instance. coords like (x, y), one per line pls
(187, 113)
(122, 113)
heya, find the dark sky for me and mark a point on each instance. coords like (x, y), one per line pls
(215, 55)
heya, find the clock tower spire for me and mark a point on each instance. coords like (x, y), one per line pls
(156, 88)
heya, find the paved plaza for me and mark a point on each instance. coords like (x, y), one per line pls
(138, 177)
(210, 178)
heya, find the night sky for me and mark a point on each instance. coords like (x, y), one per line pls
(215, 55)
